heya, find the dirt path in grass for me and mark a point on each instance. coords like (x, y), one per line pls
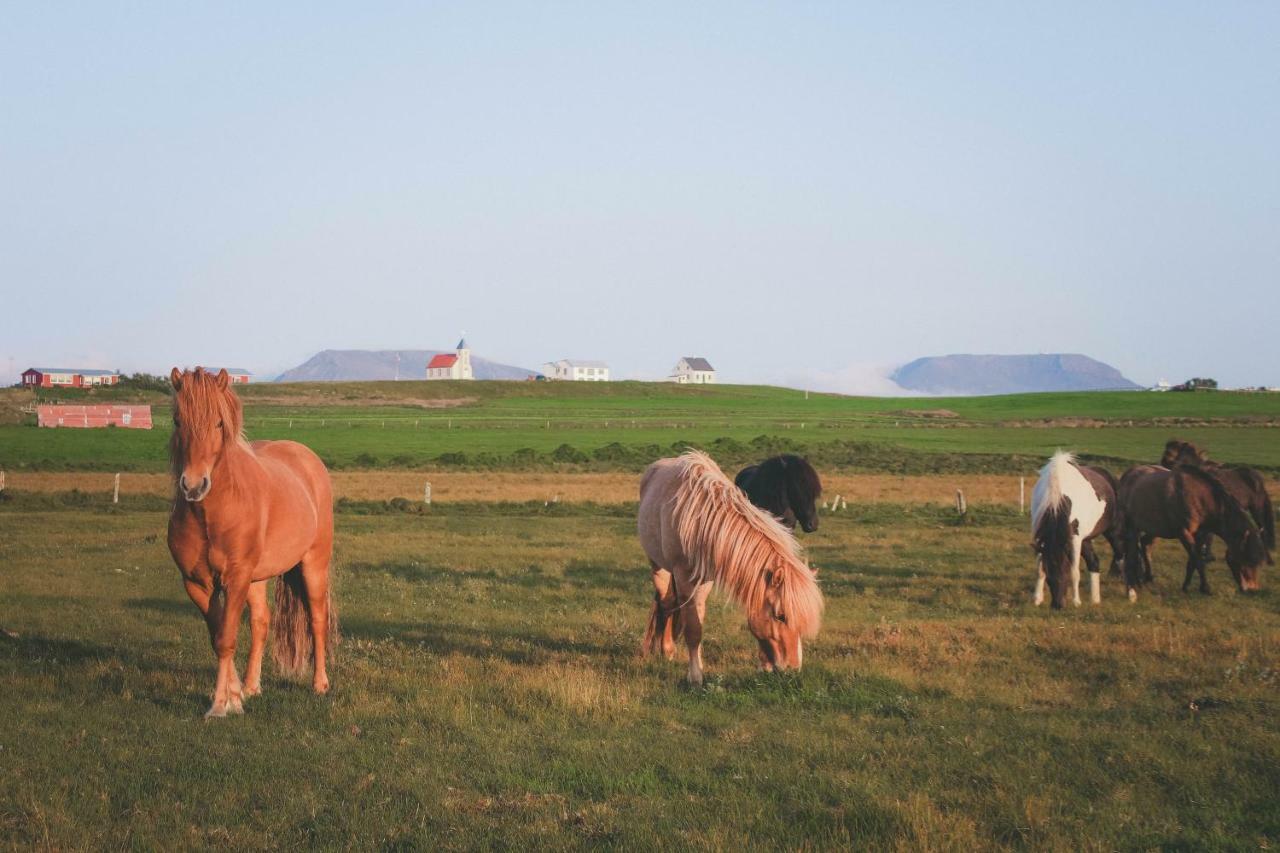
(602, 488)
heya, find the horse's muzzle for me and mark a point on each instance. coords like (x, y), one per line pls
(194, 494)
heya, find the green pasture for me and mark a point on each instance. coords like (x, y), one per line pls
(488, 694)
(626, 424)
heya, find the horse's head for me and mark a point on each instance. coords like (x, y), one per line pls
(1053, 543)
(788, 487)
(1246, 551)
(206, 418)
(1177, 452)
(779, 625)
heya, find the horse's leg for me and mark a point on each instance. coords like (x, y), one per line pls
(1039, 596)
(259, 623)
(1076, 547)
(1117, 552)
(1194, 562)
(227, 693)
(1095, 577)
(315, 576)
(691, 615)
(660, 634)
(1147, 543)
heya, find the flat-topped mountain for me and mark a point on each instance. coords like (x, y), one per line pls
(1009, 374)
(353, 365)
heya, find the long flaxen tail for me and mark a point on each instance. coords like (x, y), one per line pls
(292, 646)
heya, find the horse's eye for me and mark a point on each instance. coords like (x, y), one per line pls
(219, 424)
(781, 617)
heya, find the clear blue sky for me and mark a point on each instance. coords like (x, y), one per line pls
(799, 192)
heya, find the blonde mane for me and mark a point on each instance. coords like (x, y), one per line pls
(734, 543)
(203, 404)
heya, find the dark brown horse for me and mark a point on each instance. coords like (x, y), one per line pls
(786, 486)
(1184, 504)
(1245, 485)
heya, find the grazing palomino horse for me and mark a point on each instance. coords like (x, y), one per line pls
(698, 529)
(244, 513)
(1070, 505)
(1245, 485)
(786, 486)
(1183, 504)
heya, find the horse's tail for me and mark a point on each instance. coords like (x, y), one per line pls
(654, 640)
(292, 645)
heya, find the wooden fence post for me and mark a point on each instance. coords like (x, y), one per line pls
(1022, 496)
(426, 494)
(1, 481)
(115, 498)
(961, 507)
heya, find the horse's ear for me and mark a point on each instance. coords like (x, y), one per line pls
(175, 379)
(224, 379)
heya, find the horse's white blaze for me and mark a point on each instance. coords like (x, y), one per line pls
(1059, 479)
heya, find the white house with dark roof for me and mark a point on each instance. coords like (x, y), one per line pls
(693, 371)
(454, 365)
(576, 370)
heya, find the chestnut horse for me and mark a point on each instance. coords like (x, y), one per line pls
(1245, 485)
(699, 530)
(1186, 504)
(244, 513)
(785, 485)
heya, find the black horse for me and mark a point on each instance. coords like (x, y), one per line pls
(786, 486)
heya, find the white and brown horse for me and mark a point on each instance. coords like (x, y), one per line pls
(1070, 505)
(699, 530)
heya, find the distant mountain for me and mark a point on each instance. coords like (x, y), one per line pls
(356, 365)
(1009, 374)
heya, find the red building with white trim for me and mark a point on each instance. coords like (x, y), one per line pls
(66, 377)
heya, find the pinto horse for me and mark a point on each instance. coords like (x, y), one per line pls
(699, 530)
(244, 513)
(1070, 505)
(1186, 504)
(786, 486)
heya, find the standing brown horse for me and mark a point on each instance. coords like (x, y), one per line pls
(1245, 485)
(1184, 504)
(698, 529)
(244, 513)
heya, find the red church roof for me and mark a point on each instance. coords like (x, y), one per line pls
(442, 360)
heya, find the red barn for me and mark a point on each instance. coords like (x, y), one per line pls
(129, 417)
(67, 377)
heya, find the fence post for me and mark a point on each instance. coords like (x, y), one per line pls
(426, 494)
(115, 498)
(1022, 496)
(1, 481)
(961, 507)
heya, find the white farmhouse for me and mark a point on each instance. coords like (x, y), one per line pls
(574, 370)
(693, 371)
(455, 365)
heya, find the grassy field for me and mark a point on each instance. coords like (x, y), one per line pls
(488, 694)
(623, 426)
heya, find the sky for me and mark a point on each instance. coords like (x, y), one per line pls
(803, 193)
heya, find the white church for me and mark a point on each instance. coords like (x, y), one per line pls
(455, 365)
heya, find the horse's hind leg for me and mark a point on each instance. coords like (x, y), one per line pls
(1039, 595)
(1194, 561)
(315, 577)
(664, 618)
(259, 624)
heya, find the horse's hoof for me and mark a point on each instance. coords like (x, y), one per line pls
(255, 690)
(217, 712)
(1133, 594)
(1204, 590)
(320, 688)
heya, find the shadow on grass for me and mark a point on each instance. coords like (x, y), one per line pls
(163, 605)
(479, 642)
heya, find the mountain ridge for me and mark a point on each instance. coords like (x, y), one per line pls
(969, 374)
